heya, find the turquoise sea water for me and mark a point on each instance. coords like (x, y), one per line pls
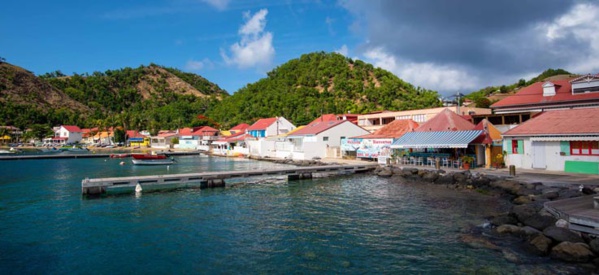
(349, 224)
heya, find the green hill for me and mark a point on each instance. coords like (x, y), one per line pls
(147, 97)
(302, 89)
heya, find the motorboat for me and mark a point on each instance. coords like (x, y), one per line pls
(120, 156)
(151, 159)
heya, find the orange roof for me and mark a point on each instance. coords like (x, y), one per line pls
(204, 131)
(262, 124)
(185, 131)
(489, 134)
(395, 129)
(446, 120)
(560, 122)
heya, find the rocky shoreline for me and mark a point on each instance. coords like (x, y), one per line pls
(540, 232)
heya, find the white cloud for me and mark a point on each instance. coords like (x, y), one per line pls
(195, 65)
(580, 24)
(218, 4)
(343, 50)
(427, 75)
(255, 47)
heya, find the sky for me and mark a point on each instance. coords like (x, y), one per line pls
(447, 46)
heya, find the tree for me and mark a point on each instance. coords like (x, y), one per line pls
(482, 102)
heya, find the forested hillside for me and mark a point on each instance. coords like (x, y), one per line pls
(148, 97)
(302, 89)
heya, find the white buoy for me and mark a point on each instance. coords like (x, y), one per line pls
(138, 188)
(122, 163)
(168, 167)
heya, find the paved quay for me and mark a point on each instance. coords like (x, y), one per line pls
(548, 178)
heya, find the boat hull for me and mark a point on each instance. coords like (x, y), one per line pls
(152, 161)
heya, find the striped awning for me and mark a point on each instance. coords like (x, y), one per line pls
(445, 139)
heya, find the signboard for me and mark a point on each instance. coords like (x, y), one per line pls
(368, 148)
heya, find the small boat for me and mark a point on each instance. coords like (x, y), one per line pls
(120, 156)
(151, 159)
(166, 161)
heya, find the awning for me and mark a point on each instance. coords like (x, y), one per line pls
(566, 138)
(136, 139)
(445, 139)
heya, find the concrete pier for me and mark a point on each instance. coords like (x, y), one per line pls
(579, 212)
(99, 186)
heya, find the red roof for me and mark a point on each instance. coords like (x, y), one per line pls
(239, 137)
(262, 124)
(134, 134)
(72, 128)
(395, 129)
(186, 131)
(205, 131)
(239, 128)
(533, 95)
(446, 120)
(560, 122)
(316, 128)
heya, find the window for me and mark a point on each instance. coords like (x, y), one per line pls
(325, 138)
(584, 148)
(517, 146)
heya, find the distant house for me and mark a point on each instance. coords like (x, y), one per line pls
(136, 139)
(579, 92)
(73, 134)
(267, 127)
(560, 140)
(163, 140)
(234, 142)
(197, 138)
(318, 140)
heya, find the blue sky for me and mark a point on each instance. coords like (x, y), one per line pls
(439, 45)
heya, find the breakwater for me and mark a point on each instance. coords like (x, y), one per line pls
(527, 217)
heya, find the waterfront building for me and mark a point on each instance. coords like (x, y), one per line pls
(559, 140)
(264, 130)
(136, 139)
(318, 139)
(375, 121)
(163, 140)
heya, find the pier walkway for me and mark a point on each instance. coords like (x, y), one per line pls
(99, 186)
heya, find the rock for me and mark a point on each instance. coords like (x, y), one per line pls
(396, 170)
(540, 245)
(522, 200)
(562, 235)
(478, 242)
(385, 173)
(523, 212)
(430, 176)
(503, 219)
(530, 231)
(569, 193)
(539, 222)
(446, 179)
(511, 187)
(572, 252)
(509, 229)
(551, 195)
(510, 256)
(460, 177)
(561, 223)
(532, 185)
(480, 181)
(594, 245)
(588, 191)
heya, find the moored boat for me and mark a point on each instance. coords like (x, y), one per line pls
(148, 156)
(120, 156)
(164, 161)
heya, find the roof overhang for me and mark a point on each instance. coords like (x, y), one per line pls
(444, 139)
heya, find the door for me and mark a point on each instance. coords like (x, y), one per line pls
(538, 155)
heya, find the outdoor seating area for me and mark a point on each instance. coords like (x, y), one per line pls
(430, 159)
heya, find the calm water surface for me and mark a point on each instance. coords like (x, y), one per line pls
(349, 224)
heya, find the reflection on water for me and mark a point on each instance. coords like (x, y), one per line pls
(349, 224)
